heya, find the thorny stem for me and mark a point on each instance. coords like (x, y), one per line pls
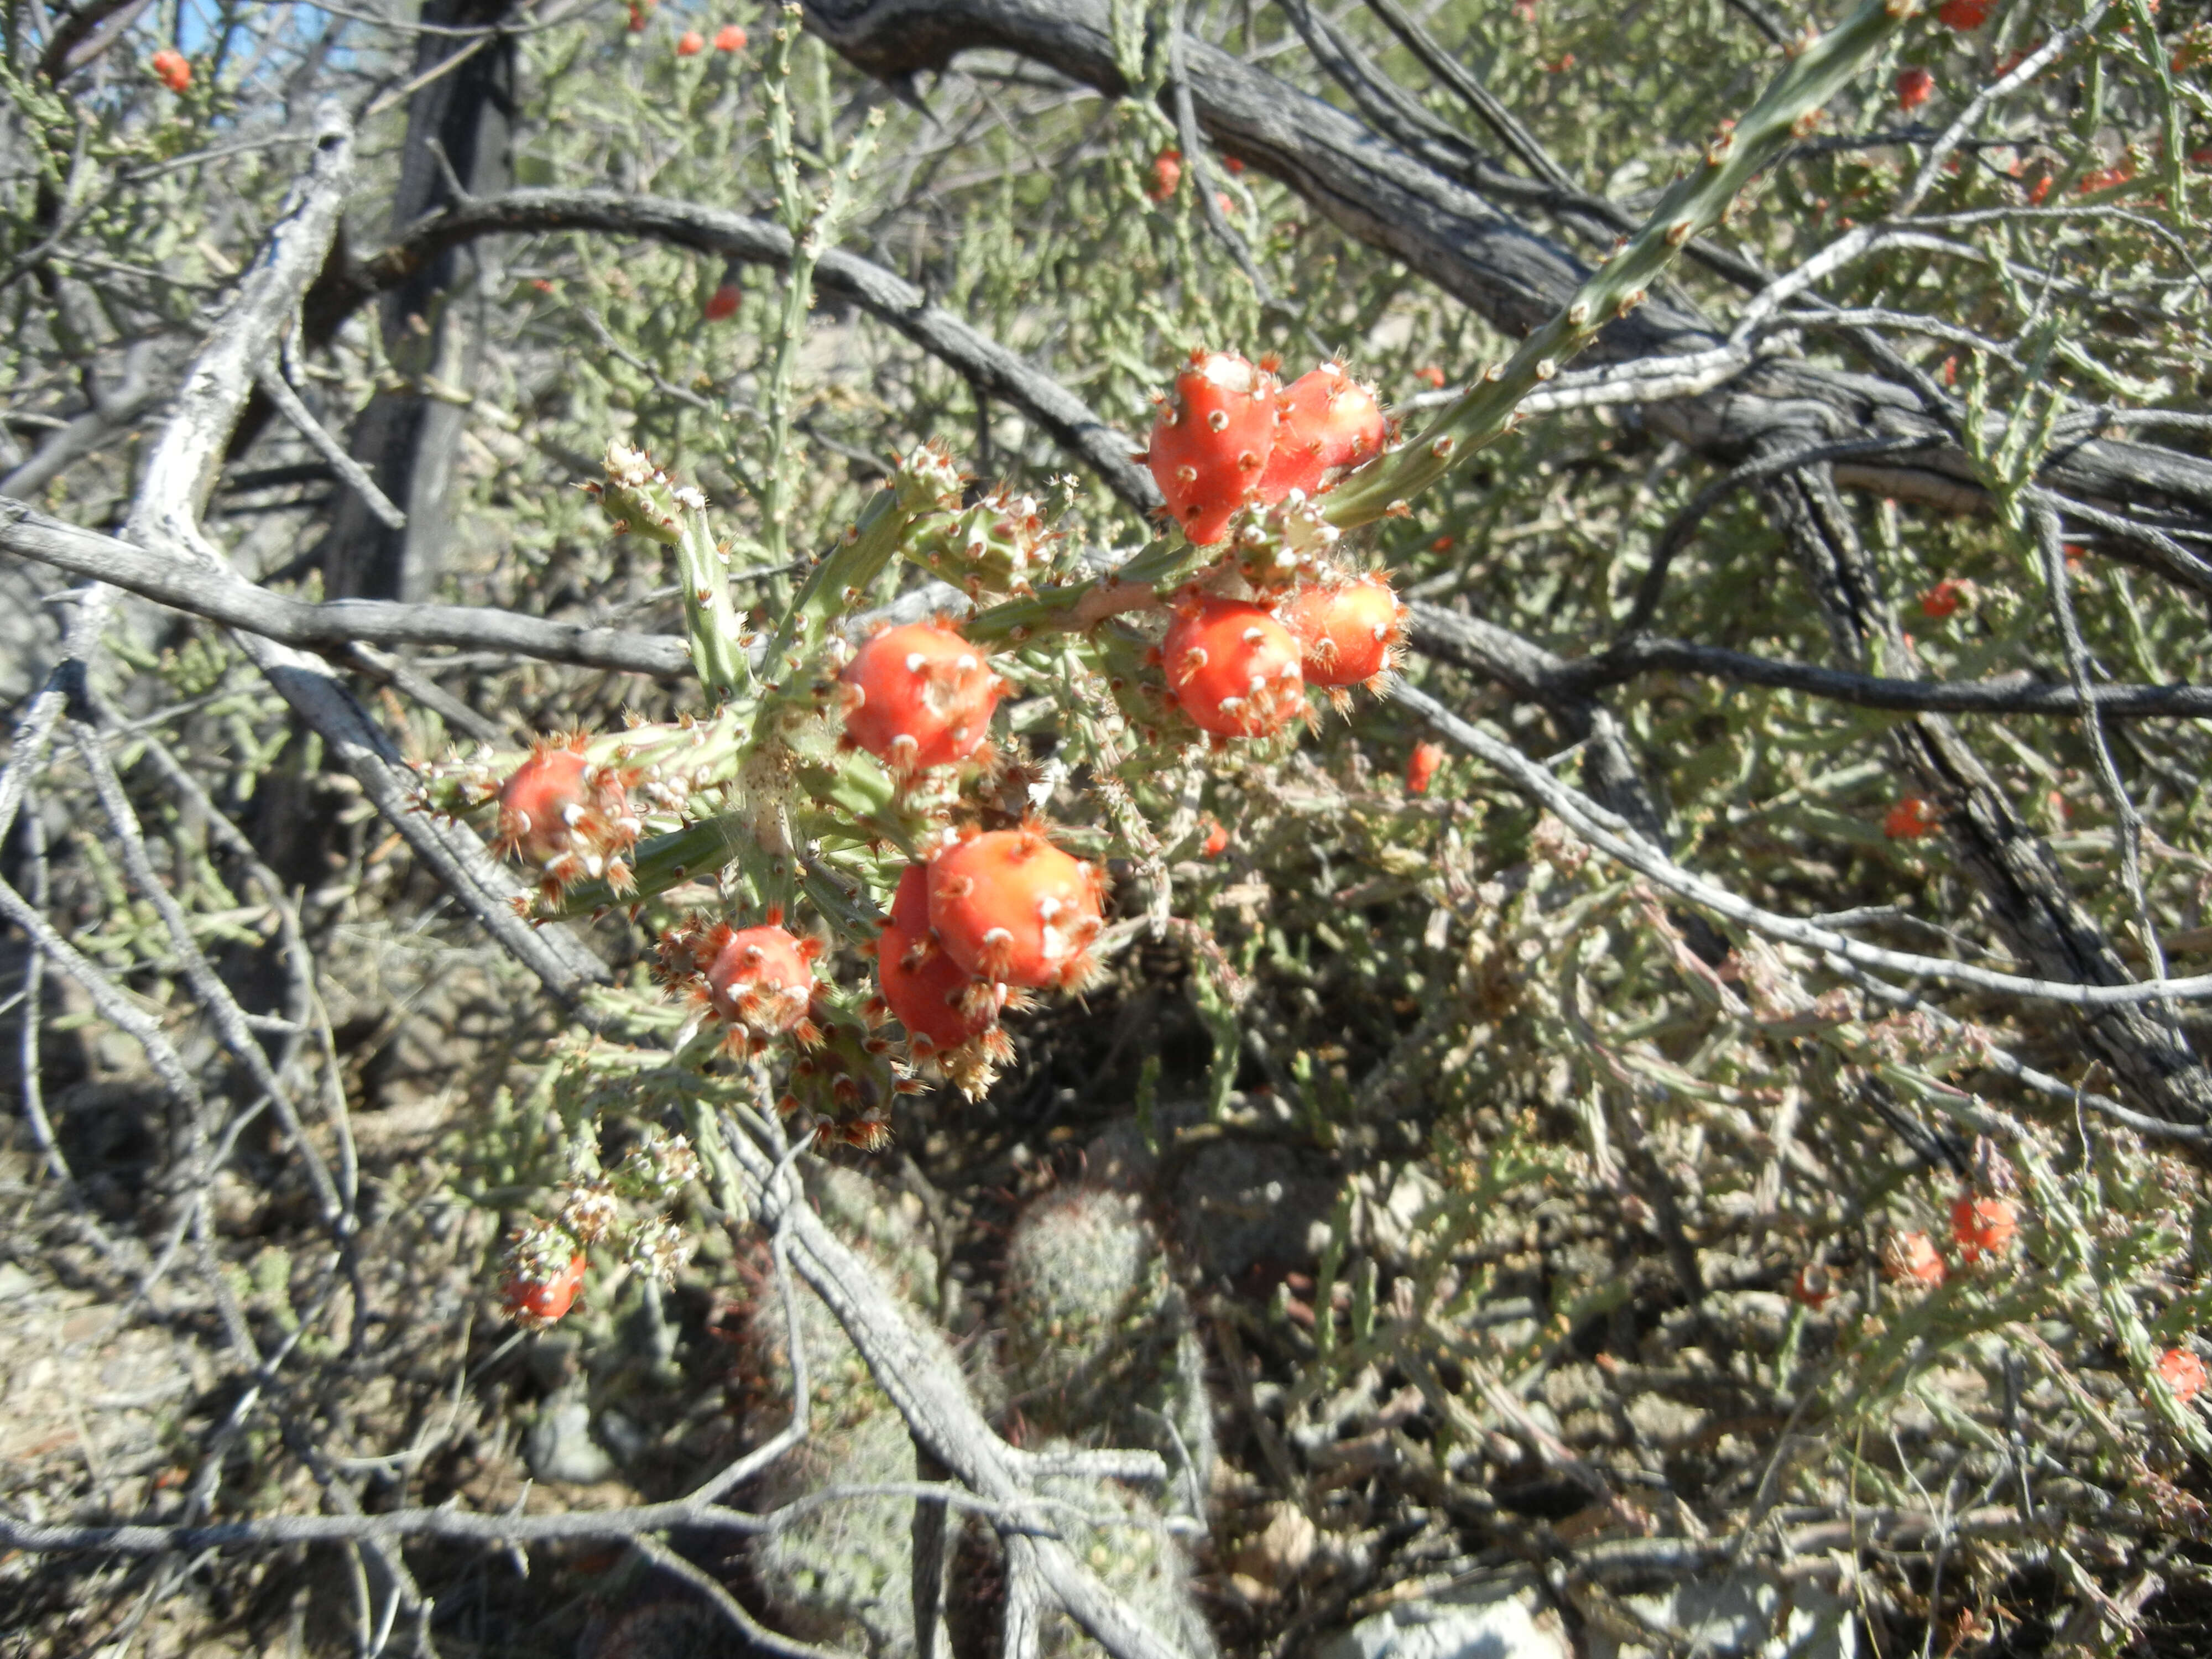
(812, 228)
(1693, 205)
(717, 637)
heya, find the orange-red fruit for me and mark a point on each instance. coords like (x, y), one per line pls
(1982, 1226)
(722, 303)
(1234, 668)
(761, 979)
(1347, 632)
(1941, 600)
(690, 44)
(539, 1303)
(536, 802)
(568, 817)
(919, 696)
(1211, 441)
(1330, 424)
(173, 69)
(1009, 906)
(2182, 1372)
(1167, 173)
(1915, 86)
(1964, 16)
(729, 38)
(941, 1003)
(1421, 767)
(1217, 840)
(1910, 819)
(1814, 1286)
(1911, 1258)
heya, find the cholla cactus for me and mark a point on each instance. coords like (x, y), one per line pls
(639, 498)
(1119, 1533)
(843, 1573)
(999, 546)
(546, 1261)
(1099, 1343)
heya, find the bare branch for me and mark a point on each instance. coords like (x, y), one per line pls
(1612, 836)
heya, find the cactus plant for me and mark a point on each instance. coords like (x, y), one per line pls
(1120, 1535)
(843, 1573)
(1099, 1345)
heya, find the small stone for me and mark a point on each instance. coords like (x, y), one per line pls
(560, 1447)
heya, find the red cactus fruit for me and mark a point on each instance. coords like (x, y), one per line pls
(1915, 86)
(729, 38)
(1348, 632)
(1234, 668)
(1942, 600)
(919, 696)
(1167, 173)
(1910, 819)
(538, 1305)
(762, 978)
(2182, 1372)
(567, 817)
(1911, 1258)
(758, 982)
(1009, 906)
(1982, 1226)
(1964, 16)
(1430, 375)
(1330, 424)
(951, 1016)
(173, 69)
(1212, 440)
(722, 304)
(1814, 1286)
(1217, 840)
(1421, 767)
(544, 1271)
(690, 44)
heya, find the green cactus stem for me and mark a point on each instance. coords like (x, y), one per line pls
(833, 587)
(1692, 206)
(718, 638)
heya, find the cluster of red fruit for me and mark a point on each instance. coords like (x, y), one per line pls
(173, 69)
(1231, 437)
(728, 38)
(1980, 1227)
(987, 916)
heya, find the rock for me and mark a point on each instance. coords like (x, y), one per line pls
(622, 1437)
(1740, 1615)
(1743, 1614)
(1242, 1202)
(14, 1282)
(560, 1447)
(1497, 1621)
